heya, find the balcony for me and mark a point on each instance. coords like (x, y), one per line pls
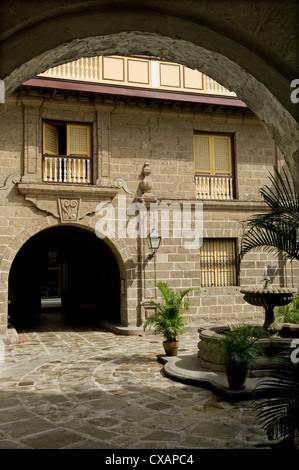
(138, 72)
(63, 169)
(214, 187)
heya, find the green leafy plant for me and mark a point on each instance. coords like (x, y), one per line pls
(168, 318)
(237, 347)
(278, 413)
(238, 351)
(277, 230)
(289, 313)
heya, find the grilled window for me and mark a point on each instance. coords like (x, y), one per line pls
(218, 262)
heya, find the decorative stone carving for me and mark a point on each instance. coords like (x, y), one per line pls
(68, 203)
(146, 184)
(11, 179)
(69, 210)
(122, 184)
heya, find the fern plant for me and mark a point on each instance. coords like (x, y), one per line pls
(168, 318)
(289, 313)
(237, 346)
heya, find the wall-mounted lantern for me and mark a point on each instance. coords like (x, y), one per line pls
(153, 240)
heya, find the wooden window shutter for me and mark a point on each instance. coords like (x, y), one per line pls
(78, 140)
(222, 154)
(50, 139)
(207, 263)
(202, 154)
(218, 262)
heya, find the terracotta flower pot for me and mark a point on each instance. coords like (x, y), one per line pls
(171, 347)
(236, 377)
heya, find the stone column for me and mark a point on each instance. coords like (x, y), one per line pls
(32, 139)
(103, 117)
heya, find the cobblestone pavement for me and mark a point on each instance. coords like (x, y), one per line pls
(91, 389)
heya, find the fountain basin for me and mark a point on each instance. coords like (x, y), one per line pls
(273, 346)
(268, 298)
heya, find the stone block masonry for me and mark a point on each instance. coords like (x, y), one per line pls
(123, 139)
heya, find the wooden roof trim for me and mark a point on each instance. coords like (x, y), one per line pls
(137, 92)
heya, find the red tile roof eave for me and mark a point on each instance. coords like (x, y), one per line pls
(71, 85)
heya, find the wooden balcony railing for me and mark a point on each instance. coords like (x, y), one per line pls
(138, 72)
(65, 169)
(214, 187)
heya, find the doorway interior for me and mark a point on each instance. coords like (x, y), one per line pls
(68, 272)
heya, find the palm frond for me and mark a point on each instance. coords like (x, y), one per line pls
(277, 230)
(289, 313)
(275, 218)
(168, 319)
(165, 290)
(271, 238)
(279, 413)
(282, 198)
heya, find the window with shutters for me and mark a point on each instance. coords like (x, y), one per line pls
(218, 262)
(213, 166)
(67, 153)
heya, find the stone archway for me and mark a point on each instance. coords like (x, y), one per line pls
(67, 270)
(252, 50)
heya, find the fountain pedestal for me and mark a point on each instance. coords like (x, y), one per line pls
(273, 346)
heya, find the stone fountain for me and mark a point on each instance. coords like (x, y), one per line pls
(279, 341)
(269, 298)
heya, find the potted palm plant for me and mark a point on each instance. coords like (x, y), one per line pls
(238, 350)
(168, 318)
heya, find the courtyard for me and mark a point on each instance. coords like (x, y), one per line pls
(109, 123)
(63, 388)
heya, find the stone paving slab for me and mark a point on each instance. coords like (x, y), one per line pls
(92, 389)
(186, 368)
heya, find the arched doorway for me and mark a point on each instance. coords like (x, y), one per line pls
(68, 271)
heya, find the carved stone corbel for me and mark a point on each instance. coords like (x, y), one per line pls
(67, 203)
(13, 178)
(122, 184)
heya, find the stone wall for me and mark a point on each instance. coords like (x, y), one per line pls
(141, 135)
(225, 40)
(124, 138)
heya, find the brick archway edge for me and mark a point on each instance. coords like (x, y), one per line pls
(118, 247)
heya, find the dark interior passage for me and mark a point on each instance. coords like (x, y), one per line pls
(67, 270)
